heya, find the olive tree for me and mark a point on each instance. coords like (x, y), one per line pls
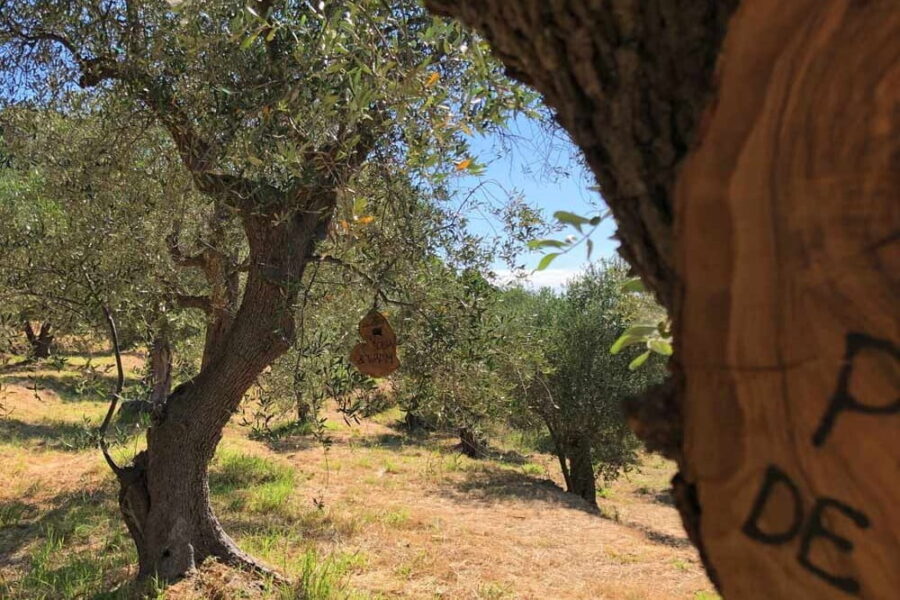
(275, 110)
(577, 388)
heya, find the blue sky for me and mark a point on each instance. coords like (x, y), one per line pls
(546, 170)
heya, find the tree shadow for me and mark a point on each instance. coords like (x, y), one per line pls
(658, 537)
(69, 387)
(392, 441)
(25, 520)
(490, 484)
(72, 437)
(663, 497)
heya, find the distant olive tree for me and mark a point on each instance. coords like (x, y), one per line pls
(575, 386)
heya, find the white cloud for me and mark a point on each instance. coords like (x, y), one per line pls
(552, 278)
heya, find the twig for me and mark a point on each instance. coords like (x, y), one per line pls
(120, 376)
(369, 279)
(114, 399)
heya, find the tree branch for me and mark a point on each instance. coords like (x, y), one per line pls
(116, 394)
(200, 302)
(368, 278)
(178, 257)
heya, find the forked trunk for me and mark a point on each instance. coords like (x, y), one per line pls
(41, 341)
(164, 494)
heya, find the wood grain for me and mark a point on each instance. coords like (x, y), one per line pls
(787, 231)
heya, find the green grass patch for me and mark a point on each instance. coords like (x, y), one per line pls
(235, 470)
(77, 550)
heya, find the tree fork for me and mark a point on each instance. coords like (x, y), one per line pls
(759, 203)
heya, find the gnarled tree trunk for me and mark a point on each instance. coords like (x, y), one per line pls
(41, 341)
(165, 493)
(750, 156)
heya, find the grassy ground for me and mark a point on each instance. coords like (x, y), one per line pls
(377, 515)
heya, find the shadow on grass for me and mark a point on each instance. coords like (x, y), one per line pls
(663, 497)
(70, 546)
(491, 483)
(393, 441)
(69, 387)
(72, 437)
(25, 520)
(658, 537)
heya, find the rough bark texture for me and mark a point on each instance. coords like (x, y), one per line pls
(760, 204)
(165, 492)
(160, 370)
(581, 480)
(40, 342)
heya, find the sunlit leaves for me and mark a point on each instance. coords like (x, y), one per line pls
(639, 360)
(546, 260)
(539, 244)
(568, 219)
(660, 346)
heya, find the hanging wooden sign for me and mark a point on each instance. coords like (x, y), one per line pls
(376, 355)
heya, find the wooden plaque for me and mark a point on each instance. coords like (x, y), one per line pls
(376, 355)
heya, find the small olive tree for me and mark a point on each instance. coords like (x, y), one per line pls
(576, 386)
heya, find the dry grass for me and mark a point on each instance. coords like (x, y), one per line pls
(376, 515)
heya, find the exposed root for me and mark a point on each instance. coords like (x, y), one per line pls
(239, 560)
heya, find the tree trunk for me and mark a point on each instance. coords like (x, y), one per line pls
(414, 421)
(41, 341)
(758, 200)
(164, 494)
(160, 369)
(470, 444)
(304, 411)
(581, 481)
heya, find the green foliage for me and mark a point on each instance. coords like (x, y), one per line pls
(233, 470)
(571, 381)
(568, 219)
(655, 337)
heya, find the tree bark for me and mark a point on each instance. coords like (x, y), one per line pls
(164, 494)
(304, 411)
(749, 155)
(582, 481)
(470, 444)
(160, 369)
(41, 341)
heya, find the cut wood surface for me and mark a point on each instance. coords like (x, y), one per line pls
(787, 221)
(750, 153)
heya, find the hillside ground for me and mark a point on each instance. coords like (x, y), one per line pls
(377, 514)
